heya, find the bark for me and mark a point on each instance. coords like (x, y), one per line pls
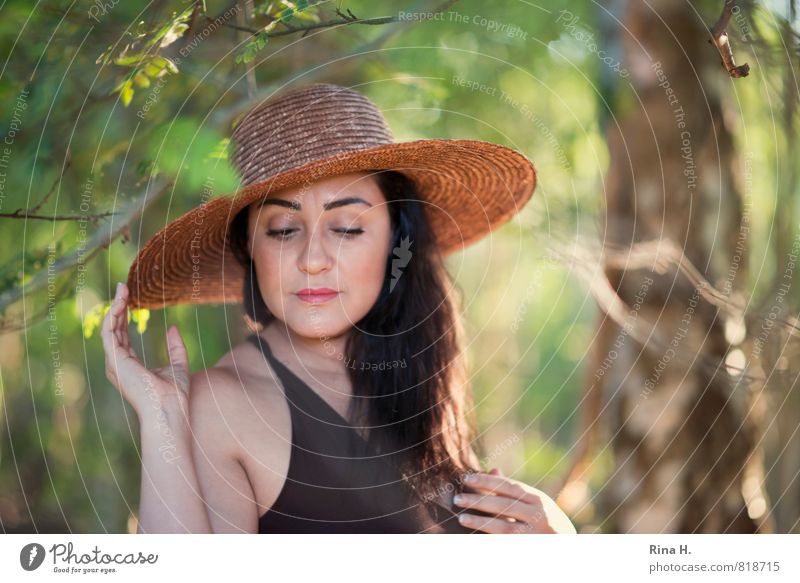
(684, 434)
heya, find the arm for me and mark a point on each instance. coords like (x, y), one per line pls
(191, 477)
(170, 498)
(225, 486)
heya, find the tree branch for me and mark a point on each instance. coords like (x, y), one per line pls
(225, 116)
(102, 238)
(20, 214)
(346, 19)
(56, 182)
(719, 38)
(31, 213)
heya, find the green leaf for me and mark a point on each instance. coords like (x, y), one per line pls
(173, 34)
(93, 319)
(158, 66)
(140, 317)
(285, 15)
(169, 32)
(263, 8)
(141, 79)
(221, 151)
(127, 93)
(258, 42)
(299, 11)
(130, 60)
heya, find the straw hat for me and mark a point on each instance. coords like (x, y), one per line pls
(469, 187)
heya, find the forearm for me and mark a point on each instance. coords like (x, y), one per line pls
(170, 499)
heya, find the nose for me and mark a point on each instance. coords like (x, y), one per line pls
(314, 257)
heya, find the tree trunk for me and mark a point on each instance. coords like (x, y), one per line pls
(683, 432)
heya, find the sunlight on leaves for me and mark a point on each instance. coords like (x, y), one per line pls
(140, 317)
(94, 318)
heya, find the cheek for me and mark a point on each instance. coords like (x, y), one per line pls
(268, 264)
(362, 270)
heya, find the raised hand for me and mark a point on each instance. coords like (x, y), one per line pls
(146, 390)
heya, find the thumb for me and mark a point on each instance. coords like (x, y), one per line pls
(178, 357)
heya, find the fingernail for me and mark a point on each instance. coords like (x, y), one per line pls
(463, 518)
(458, 499)
(470, 478)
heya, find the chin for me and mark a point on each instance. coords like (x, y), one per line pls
(318, 323)
(321, 321)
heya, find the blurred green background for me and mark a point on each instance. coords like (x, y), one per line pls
(105, 104)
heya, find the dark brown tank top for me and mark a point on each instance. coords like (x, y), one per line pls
(335, 482)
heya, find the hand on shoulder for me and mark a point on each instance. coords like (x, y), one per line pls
(517, 507)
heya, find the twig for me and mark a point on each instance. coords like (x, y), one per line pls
(339, 22)
(719, 38)
(198, 6)
(244, 15)
(656, 256)
(327, 24)
(226, 116)
(20, 214)
(56, 182)
(102, 238)
(346, 19)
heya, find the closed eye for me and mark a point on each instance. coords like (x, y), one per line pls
(285, 233)
(279, 233)
(349, 233)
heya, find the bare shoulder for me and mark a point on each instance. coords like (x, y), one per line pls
(238, 388)
(248, 375)
(238, 408)
(238, 395)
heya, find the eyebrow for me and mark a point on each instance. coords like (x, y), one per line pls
(294, 205)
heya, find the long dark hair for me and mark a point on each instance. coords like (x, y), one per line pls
(419, 410)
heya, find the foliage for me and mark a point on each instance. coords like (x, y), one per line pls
(100, 109)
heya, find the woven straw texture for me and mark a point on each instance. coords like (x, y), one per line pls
(470, 187)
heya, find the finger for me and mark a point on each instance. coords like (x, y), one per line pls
(502, 485)
(178, 357)
(107, 330)
(116, 305)
(503, 506)
(122, 319)
(114, 332)
(488, 524)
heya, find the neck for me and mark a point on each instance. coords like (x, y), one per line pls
(324, 354)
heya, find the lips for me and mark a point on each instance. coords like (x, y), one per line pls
(317, 295)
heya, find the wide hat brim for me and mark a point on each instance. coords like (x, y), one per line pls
(469, 188)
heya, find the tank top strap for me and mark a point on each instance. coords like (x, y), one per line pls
(279, 368)
(302, 398)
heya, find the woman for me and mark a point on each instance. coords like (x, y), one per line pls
(348, 410)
